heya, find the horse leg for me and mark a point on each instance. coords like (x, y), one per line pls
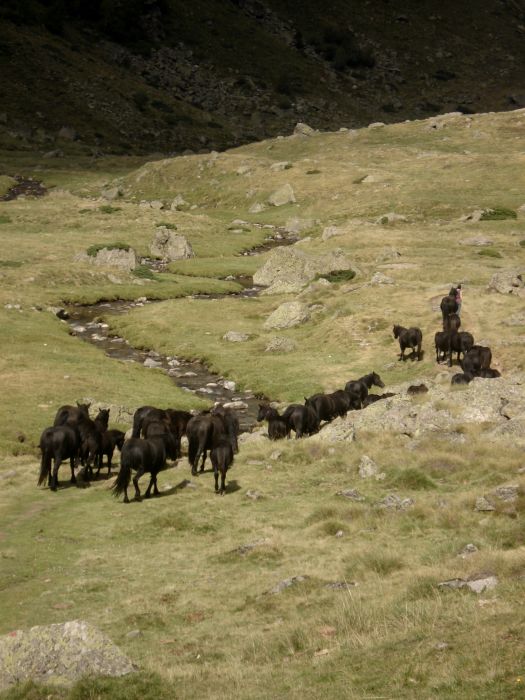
(418, 352)
(203, 460)
(136, 478)
(54, 479)
(156, 491)
(223, 480)
(110, 457)
(148, 490)
(72, 465)
(216, 477)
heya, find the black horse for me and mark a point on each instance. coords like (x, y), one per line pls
(231, 424)
(58, 444)
(221, 456)
(357, 389)
(409, 338)
(174, 419)
(477, 358)
(110, 440)
(301, 419)
(374, 398)
(72, 415)
(462, 378)
(452, 323)
(448, 305)
(141, 456)
(91, 432)
(342, 402)
(202, 431)
(277, 426)
(159, 428)
(323, 405)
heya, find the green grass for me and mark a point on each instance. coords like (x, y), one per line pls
(96, 247)
(490, 253)
(108, 209)
(4, 219)
(498, 214)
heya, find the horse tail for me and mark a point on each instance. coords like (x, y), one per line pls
(137, 425)
(124, 475)
(193, 449)
(45, 466)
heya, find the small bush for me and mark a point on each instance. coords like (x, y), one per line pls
(498, 213)
(118, 245)
(490, 253)
(338, 276)
(413, 479)
(108, 209)
(4, 219)
(313, 172)
(10, 263)
(143, 272)
(379, 562)
(522, 243)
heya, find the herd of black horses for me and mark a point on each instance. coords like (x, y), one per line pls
(157, 433)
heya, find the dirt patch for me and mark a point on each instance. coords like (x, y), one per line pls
(26, 187)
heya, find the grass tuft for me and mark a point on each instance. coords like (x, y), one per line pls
(490, 253)
(94, 249)
(498, 214)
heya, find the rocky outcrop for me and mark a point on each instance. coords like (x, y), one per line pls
(235, 337)
(279, 344)
(289, 269)
(118, 258)
(287, 315)
(508, 282)
(168, 245)
(283, 195)
(59, 654)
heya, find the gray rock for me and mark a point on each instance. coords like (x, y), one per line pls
(281, 196)
(235, 337)
(507, 493)
(376, 125)
(302, 129)
(388, 255)
(338, 430)
(229, 385)
(279, 167)
(352, 494)
(395, 502)
(289, 269)
(453, 583)
(257, 208)
(287, 315)
(287, 583)
(67, 133)
(59, 654)
(482, 584)
(368, 469)
(151, 363)
(467, 551)
(236, 405)
(483, 505)
(296, 225)
(56, 153)
(280, 344)
(508, 282)
(390, 218)
(340, 585)
(253, 495)
(473, 217)
(243, 170)
(330, 232)
(379, 278)
(156, 204)
(112, 257)
(169, 245)
(112, 193)
(250, 546)
(179, 204)
(276, 454)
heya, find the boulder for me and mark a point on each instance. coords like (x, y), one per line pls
(508, 282)
(338, 430)
(179, 204)
(287, 315)
(168, 245)
(257, 208)
(235, 337)
(473, 216)
(280, 344)
(67, 133)
(112, 193)
(368, 469)
(279, 167)
(289, 269)
(379, 278)
(59, 654)
(111, 257)
(283, 195)
(302, 129)
(330, 232)
(390, 218)
(296, 225)
(478, 241)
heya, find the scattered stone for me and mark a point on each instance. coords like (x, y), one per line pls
(379, 278)
(156, 204)
(249, 547)
(390, 218)
(339, 533)
(257, 208)
(368, 468)
(283, 195)
(151, 363)
(59, 312)
(482, 584)
(235, 337)
(168, 245)
(179, 204)
(453, 583)
(112, 193)
(133, 634)
(478, 241)
(229, 385)
(287, 583)
(111, 257)
(243, 170)
(280, 344)
(352, 494)
(276, 454)
(236, 405)
(67, 133)
(296, 225)
(473, 216)
(253, 495)
(278, 167)
(388, 255)
(55, 153)
(59, 654)
(287, 315)
(507, 493)
(338, 430)
(376, 125)
(330, 232)
(302, 129)
(441, 646)
(395, 502)
(483, 505)
(467, 550)
(340, 585)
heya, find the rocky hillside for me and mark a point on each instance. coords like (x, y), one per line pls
(171, 76)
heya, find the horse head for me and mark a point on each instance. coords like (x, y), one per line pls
(377, 381)
(84, 408)
(396, 330)
(263, 410)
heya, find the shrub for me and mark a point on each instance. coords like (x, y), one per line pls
(522, 243)
(337, 276)
(490, 253)
(143, 272)
(10, 263)
(4, 219)
(118, 245)
(413, 479)
(313, 172)
(498, 213)
(167, 224)
(108, 209)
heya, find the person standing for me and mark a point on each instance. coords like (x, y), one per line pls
(459, 298)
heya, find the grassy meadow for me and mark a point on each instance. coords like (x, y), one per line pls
(183, 583)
